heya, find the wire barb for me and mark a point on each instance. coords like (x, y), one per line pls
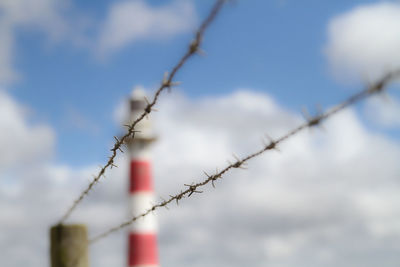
(192, 189)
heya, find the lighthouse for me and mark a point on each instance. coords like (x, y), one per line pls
(142, 240)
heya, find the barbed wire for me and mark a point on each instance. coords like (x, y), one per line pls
(240, 163)
(167, 83)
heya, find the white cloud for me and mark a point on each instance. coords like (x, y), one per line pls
(44, 16)
(126, 23)
(310, 205)
(329, 198)
(21, 143)
(363, 42)
(384, 111)
(130, 21)
(34, 191)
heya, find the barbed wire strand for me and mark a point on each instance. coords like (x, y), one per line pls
(311, 122)
(166, 83)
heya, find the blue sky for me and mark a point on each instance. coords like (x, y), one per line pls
(330, 198)
(268, 46)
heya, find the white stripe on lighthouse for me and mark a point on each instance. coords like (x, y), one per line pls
(139, 203)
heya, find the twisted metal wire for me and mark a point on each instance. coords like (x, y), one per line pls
(167, 83)
(375, 88)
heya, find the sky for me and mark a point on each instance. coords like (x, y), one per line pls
(329, 197)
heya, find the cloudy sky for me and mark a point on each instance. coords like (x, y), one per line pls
(330, 197)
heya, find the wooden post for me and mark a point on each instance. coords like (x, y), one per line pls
(69, 246)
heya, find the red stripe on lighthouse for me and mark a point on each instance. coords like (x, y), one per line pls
(140, 176)
(142, 249)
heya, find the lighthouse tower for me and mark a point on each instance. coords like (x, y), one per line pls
(142, 245)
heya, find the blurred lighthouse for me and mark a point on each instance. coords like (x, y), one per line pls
(142, 245)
